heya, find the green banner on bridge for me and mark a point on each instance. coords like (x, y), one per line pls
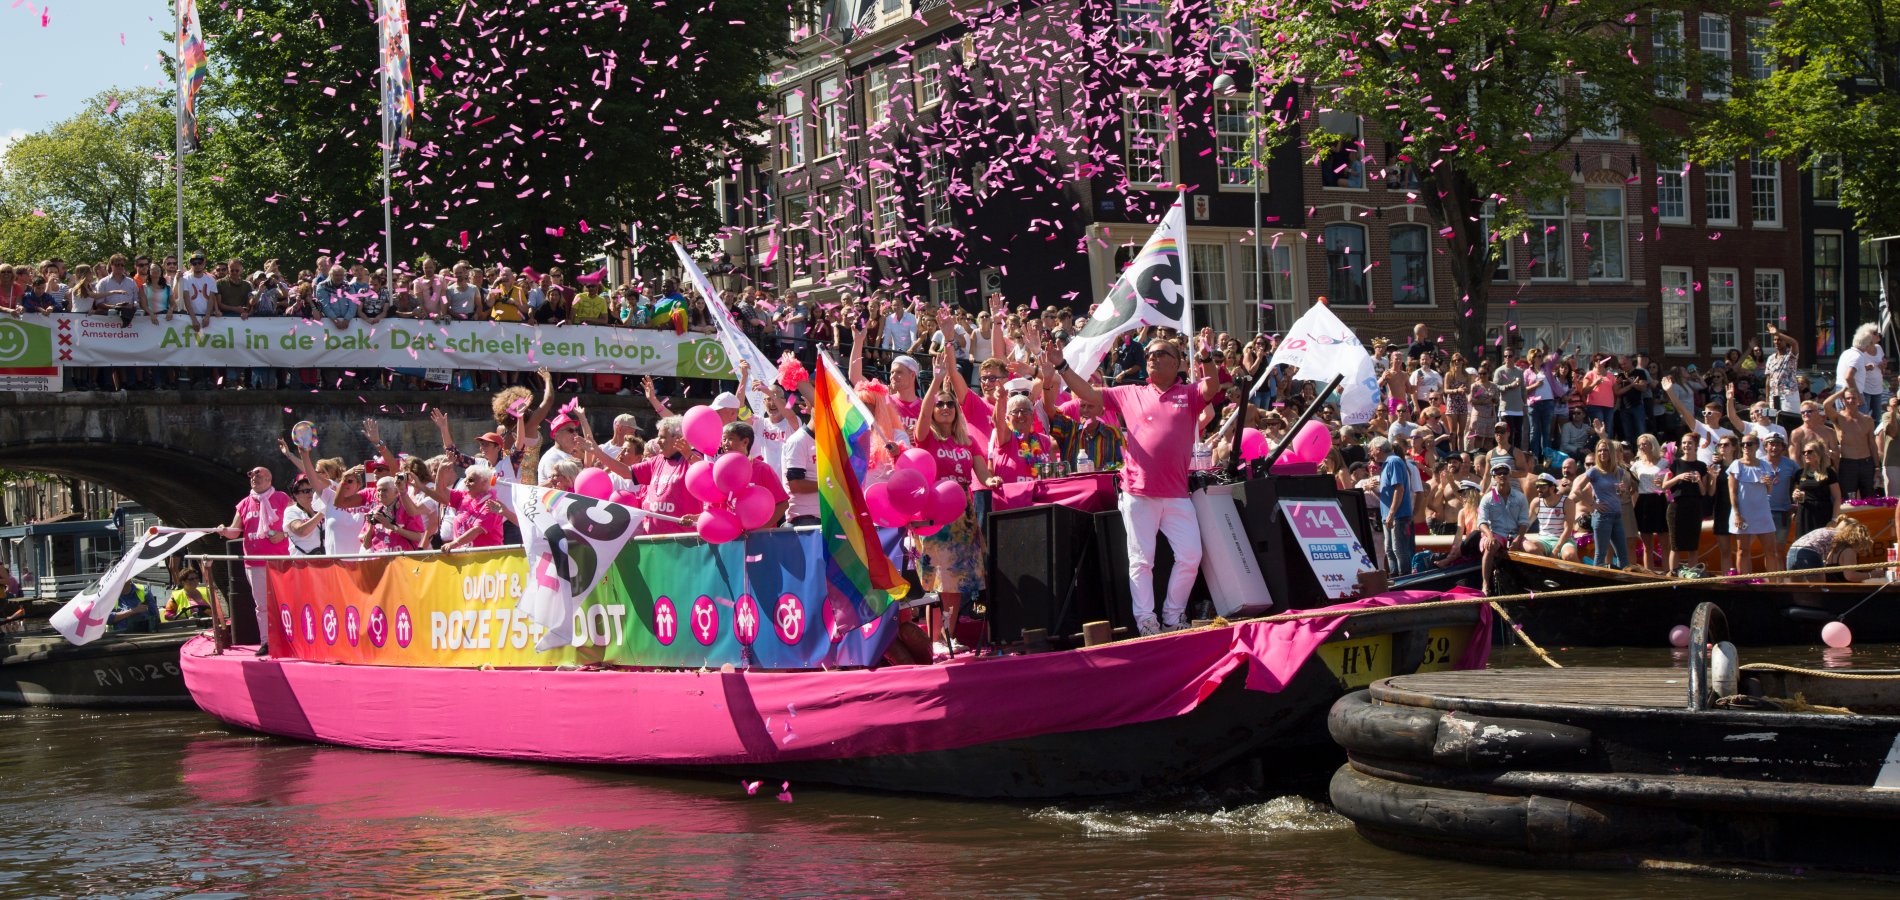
(85, 340)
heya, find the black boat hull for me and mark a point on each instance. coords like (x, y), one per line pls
(116, 671)
(1646, 608)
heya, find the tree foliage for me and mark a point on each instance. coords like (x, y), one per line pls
(95, 184)
(1482, 101)
(1835, 95)
(540, 130)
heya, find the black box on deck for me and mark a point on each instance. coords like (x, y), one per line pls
(1290, 578)
(1043, 572)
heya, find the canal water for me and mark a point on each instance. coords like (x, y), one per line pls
(160, 805)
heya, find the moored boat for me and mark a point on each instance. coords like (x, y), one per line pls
(118, 670)
(1640, 608)
(1722, 766)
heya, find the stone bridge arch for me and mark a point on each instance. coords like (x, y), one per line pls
(183, 454)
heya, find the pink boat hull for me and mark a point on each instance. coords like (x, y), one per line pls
(1109, 719)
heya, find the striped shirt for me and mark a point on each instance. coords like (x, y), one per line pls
(1104, 446)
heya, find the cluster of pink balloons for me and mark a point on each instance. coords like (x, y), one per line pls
(596, 483)
(914, 496)
(1309, 446)
(734, 504)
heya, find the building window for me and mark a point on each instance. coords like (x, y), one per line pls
(1665, 50)
(930, 66)
(1548, 240)
(1827, 178)
(1771, 304)
(1725, 310)
(1713, 33)
(887, 215)
(1764, 191)
(798, 229)
(1718, 182)
(1672, 197)
(1678, 310)
(1233, 133)
(1149, 128)
(877, 95)
(1142, 25)
(935, 187)
(1345, 165)
(1603, 220)
(1872, 261)
(1500, 248)
(1411, 266)
(1208, 271)
(791, 130)
(1346, 265)
(1550, 122)
(943, 288)
(1827, 285)
(835, 232)
(831, 116)
(1268, 297)
(1599, 117)
(1761, 58)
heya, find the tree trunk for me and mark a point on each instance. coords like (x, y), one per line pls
(1458, 209)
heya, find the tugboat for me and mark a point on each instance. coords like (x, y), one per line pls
(1722, 767)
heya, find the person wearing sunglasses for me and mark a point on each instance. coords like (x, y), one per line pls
(302, 521)
(1161, 417)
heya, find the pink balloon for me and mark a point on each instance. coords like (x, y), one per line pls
(702, 427)
(1254, 444)
(926, 529)
(947, 501)
(717, 526)
(1310, 445)
(877, 498)
(626, 497)
(700, 483)
(1837, 635)
(732, 472)
(910, 493)
(595, 483)
(754, 506)
(918, 460)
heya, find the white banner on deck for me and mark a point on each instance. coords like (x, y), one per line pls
(88, 616)
(570, 541)
(290, 343)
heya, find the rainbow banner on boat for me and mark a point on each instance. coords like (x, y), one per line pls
(857, 572)
(664, 603)
(192, 63)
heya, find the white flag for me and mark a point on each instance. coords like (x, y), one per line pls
(1323, 347)
(88, 616)
(1153, 290)
(571, 541)
(731, 336)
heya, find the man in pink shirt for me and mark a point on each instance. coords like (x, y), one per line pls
(260, 522)
(1160, 417)
(737, 438)
(664, 478)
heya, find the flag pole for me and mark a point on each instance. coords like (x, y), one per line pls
(389, 230)
(178, 128)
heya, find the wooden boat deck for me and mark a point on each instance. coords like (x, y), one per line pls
(1580, 687)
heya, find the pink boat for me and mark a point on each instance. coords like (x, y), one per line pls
(1115, 718)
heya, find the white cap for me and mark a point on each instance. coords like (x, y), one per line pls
(726, 400)
(1018, 384)
(908, 362)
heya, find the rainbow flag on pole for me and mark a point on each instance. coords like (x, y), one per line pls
(399, 91)
(192, 66)
(857, 573)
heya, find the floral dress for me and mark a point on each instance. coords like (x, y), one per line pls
(954, 559)
(1484, 407)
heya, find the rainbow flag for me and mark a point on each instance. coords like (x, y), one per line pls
(192, 66)
(399, 93)
(857, 572)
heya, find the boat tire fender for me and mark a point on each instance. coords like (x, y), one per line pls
(1725, 669)
(1391, 732)
(1521, 824)
(1459, 739)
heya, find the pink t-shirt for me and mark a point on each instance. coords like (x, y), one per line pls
(273, 520)
(767, 477)
(907, 411)
(380, 538)
(1014, 458)
(1160, 441)
(666, 493)
(470, 512)
(954, 460)
(1603, 393)
(976, 413)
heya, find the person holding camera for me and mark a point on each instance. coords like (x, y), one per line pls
(392, 524)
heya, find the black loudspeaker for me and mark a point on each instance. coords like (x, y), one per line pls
(1043, 573)
(1111, 538)
(237, 594)
(1290, 578)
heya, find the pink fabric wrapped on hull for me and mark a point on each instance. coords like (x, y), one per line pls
(713, 718)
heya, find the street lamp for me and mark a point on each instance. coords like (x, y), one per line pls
(1225, 40)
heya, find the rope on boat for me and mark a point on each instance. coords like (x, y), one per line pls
(1567, 593)
(1499, 609)
(1818, 673)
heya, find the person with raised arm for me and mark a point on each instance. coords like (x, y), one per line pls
(953, 560)
(1159, 417)
(478, 510)
(902, 377)
(1855, 448)
(259, 520)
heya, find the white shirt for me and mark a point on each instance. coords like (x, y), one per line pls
(309, 543)
(1706, 452)
(900, 331)
(800, 454)
(545, 471)
(342, 528)
(1866, 369)
(199, 294)
(1426, 383)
